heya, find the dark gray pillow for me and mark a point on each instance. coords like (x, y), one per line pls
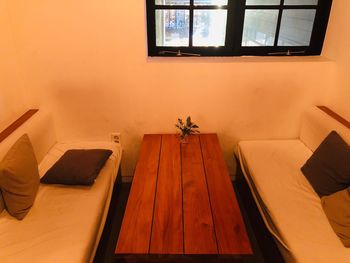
(328, 169)
(77, 167)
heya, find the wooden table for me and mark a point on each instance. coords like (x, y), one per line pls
(182, 201)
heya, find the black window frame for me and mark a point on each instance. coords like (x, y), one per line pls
(234, 31)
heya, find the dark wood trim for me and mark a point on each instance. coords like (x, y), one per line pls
(17, 123)
(334, 115)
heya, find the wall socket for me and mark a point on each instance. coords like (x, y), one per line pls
(116, 137)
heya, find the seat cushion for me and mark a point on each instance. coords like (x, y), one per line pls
(19, 178)
(65, 222)
(293, 205)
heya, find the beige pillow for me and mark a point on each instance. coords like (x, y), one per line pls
(337, 209)
(19, 178)
(2, 205)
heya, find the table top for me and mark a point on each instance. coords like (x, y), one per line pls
(182, 201)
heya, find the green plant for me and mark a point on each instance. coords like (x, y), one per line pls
(187, 128)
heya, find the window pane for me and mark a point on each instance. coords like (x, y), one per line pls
(296, 27)
(300, 2)
(172, 2)
(209, 27)
(210, 2)
(172, 28)
(263, 2)
(259, 27)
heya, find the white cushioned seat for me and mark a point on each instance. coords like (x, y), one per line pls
(290, 207)
(65, 222)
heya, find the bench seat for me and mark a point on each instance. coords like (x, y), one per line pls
(289, 206)
(66, 222)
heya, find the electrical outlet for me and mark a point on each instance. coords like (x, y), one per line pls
(115, 137)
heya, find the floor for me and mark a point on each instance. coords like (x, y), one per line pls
(105, 251)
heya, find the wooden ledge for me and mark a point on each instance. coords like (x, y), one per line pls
(335, 116)
(17, 123)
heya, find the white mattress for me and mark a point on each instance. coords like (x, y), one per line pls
(301, 226)
(65, 222)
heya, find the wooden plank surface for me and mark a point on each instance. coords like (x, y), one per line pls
(135, 233)
(230, 230)
(167, 230)
(199, 233)
(17, 123)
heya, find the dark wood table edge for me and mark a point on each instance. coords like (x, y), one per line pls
(166, 258)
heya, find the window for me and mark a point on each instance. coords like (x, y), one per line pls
(236, 27)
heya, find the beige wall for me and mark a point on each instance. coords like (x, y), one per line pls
(11, 81)
(88, 64)
(338, 48)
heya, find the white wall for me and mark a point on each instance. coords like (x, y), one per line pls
(339, 50)
(88, 64)
(11, 81)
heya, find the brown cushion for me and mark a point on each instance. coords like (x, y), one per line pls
(328, 169)
(19, 178)
(2, 204)
(337, 209)
(77, 167)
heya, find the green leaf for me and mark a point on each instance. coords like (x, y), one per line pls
(188, 121)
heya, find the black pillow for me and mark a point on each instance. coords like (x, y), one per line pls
(328, 169)
(77, 167)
